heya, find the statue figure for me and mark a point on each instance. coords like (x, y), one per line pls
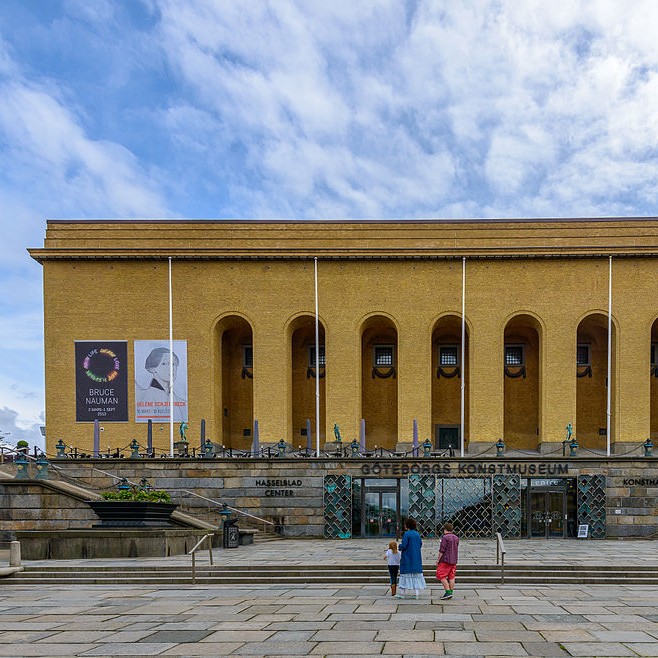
(569, 432)
(183, 428)
(337, 433)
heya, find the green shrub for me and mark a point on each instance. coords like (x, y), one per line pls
(151, 496)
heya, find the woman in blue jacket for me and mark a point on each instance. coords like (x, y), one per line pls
(411, 561)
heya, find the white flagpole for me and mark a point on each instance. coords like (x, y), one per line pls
(463, 354)
(171, 367)
(317, 364)
(607, 413)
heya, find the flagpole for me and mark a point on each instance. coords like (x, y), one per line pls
(317, 364)
(171, 367)
(463, 354)
(607, 413)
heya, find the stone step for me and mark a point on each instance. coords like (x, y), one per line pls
(183, 578)
(326, 574)
(351, 568)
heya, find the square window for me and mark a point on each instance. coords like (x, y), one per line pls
(583, 352)
(247, 356)
(448, 355)
(311, 356)
(383, 356)
(514, 355)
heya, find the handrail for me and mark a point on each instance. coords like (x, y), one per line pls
(116, 477)
(16, 451)
(193, 554)
(500, 556)
(233, 509)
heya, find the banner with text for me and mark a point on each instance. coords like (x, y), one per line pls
(101, 380)
(152, 381)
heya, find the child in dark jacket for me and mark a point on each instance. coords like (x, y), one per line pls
(392, 557)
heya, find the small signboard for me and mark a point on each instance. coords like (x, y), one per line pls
(583, 531)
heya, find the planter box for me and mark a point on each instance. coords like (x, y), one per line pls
(132, 514)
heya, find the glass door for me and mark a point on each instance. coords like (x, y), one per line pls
(547, 514)
(380, 516)
(372, 516)
(537, 510)
(389, 508)
(555, 512)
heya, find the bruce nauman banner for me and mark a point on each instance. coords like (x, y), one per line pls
(152, 385)
(101, 380)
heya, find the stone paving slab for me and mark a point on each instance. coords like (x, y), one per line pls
(284, 620)
(296, 552)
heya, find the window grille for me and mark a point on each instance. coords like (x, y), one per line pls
(514, 355)
(583, 355)
(448, 355)
(383, 356)
(311, 356)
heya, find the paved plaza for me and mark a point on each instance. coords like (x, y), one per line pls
(285, 620)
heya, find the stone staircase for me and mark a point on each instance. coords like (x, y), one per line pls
(318, 574)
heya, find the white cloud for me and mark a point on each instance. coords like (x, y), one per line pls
(47, 143)
(53, 167)
(478, 108)
(12, 429)
(380, 109)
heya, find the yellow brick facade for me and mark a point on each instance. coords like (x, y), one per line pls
(542, 285)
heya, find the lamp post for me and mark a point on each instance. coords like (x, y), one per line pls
(648, 448)
(42, 467)
(22, 462)
(134, 449)
(208, 449)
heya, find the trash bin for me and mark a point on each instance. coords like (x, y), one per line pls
(231, 534)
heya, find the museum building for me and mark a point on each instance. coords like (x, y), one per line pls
(503, 374)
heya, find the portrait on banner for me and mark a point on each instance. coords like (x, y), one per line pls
(155, 365)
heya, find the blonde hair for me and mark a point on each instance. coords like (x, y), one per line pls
(393, 546)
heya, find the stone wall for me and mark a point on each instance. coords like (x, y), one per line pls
(289, 492)
(119, 543)
(33, 506)
(632, 497)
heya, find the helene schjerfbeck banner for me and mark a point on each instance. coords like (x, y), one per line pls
(152, 380)
(101, 380)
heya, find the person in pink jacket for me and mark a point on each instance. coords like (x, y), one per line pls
(446, 563)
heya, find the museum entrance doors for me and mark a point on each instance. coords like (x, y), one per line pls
(380, 508)
(550, 508)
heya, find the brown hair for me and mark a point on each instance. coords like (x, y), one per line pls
(410, 524)
(447, 526)
(393, 546)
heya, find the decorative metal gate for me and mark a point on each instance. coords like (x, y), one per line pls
(337, 506)
(477, 507)
(507, 505)
(422, 497)
(467, 504)
(591, 504)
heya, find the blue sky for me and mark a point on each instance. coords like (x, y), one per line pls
(303, 109)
